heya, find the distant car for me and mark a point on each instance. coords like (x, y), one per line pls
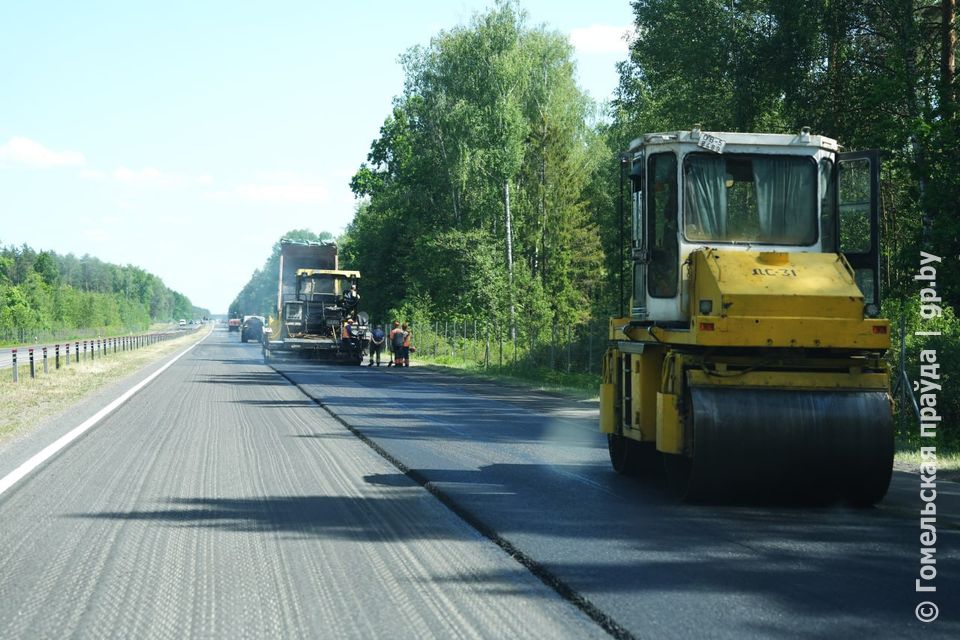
(252, 329)
(183, 323)
(233, 324)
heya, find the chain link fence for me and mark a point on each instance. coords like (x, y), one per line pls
(565, 349)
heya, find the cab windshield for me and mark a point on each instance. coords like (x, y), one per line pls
(314, 285)
(752, 199)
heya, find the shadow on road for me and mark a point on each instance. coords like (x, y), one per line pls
(247, 377)
(337, 517)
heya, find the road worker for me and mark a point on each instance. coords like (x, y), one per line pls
(396, 344)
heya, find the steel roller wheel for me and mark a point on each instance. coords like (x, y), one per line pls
(811, 445)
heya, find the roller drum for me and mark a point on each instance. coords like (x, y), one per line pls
(808, 444)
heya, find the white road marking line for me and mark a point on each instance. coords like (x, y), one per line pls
(52, 449)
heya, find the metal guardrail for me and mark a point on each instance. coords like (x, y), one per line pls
(76, 351)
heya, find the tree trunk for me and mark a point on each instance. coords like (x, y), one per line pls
(508, 226)
(909, 42)
(948, 53)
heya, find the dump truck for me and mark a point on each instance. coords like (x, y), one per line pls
(752, 357)
(317, 314)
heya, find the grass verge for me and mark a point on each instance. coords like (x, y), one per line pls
(24, 404)
(907, 458)
(583, 386)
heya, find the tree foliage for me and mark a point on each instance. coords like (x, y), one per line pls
(480, 179)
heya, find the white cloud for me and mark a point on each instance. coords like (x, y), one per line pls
(23, 152)
(285, 188)
(601, 38)
(148, 176)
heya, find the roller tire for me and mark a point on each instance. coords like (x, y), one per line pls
(631, 458)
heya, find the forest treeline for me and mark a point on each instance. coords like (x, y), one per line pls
(42, 292)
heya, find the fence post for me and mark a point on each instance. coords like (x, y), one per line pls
(486, 347)
(67, 361)
(16, 367)
(77, 350)
(553, 346)
(56, 355)
(589, 349)
(33, 371)
(46, 367)
(500, 340)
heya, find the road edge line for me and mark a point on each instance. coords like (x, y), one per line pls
(60, 443)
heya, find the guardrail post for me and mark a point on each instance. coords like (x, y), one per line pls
(16, 367)
(67, 361)
(84, 350)
(33, 371)
(56, 355)
(46, 367)
(93, 351)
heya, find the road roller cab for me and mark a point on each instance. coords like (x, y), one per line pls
(752, 358)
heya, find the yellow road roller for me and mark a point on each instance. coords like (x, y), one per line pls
(751, 359)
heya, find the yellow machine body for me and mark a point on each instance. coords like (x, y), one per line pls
(773, 372)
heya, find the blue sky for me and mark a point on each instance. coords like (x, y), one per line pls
(186, 137)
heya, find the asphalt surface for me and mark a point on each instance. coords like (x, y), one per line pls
(224, 501)
(534, 470)
(221, 502)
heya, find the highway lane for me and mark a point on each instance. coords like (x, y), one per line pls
(222, 502)
(533, 470)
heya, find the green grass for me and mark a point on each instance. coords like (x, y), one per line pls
(907, 458)
(579, 385)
